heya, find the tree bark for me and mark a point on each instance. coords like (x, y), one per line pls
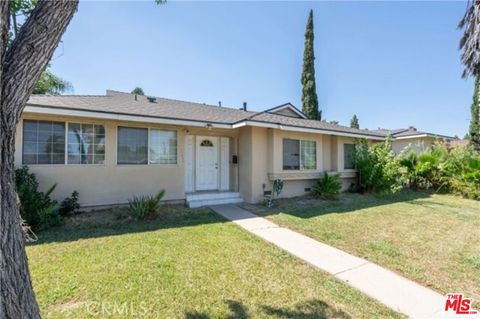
(20, 69)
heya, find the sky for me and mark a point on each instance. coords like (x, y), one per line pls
(393, 64)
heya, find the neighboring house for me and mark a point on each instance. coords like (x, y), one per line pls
(459, 143)
(418, 141)
(112, 147)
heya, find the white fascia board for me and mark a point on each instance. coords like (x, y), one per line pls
(423, 135)
(409, 137)
(305, 130)
(119, 117)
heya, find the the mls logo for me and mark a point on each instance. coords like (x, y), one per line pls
(458, 304)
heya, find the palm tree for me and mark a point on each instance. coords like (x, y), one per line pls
(470, 41)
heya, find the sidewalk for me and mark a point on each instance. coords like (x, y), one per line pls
(394, 291)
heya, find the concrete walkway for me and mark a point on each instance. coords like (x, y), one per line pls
(394, 291)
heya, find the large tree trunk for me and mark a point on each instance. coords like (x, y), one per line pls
(20, 68)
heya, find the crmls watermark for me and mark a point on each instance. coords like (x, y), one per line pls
(130, 309)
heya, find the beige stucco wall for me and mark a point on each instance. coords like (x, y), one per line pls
(110, 183)
(261, 151)
(260, 160)
(254, 161)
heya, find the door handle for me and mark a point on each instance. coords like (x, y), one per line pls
(216, 165)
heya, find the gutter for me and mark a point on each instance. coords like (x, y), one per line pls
(76, 112)
(120, 116)
(305, 129)
(423, 135)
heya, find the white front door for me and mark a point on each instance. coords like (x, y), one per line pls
(206, 174)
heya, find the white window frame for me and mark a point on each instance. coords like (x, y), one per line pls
(344, 163)
(300, 155)
(67, 124)
(148, 145)
(23, 146)
(302, 168)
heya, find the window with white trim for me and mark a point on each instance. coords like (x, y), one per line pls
(132, 145)
(141, 146)
(299, 154)
(163, 147)
(348, 159)
(86, 143)
(43, 142)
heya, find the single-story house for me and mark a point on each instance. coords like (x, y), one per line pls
(115, 146)
(418, 141)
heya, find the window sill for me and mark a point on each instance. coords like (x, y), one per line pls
(302, 175)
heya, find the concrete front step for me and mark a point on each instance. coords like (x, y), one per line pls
(207, 199)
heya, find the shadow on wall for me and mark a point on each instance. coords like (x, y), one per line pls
(311, 309)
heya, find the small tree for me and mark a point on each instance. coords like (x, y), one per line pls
(470, 41)
(138, 90)
(309, 88)
(49, 83)
(354, 122)
(474, 130)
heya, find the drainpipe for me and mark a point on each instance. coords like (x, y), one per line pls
(237, 145)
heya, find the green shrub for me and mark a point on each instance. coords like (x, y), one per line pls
(70, 205)
(143, 207)
(277, 186)
(464, 173)
(37, 209)
(454, 170)
(49, 216)
(377, 168)
(408, 163)
(328, 187)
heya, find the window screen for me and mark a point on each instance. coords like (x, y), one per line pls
(132, 146)
(163, 147)
(308, 154)
(291, 154)
(348, 160)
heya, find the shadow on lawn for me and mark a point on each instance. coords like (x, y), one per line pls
(116, 222)
(308, 207)
(311, 309)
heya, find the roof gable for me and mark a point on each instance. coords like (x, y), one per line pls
(287, 109)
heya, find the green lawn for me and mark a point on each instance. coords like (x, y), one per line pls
(432, 239)
(186, 264)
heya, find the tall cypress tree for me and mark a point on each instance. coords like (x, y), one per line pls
(309, 88)
(474, 131)
(354, 122)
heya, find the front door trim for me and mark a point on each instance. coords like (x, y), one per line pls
(207, 163)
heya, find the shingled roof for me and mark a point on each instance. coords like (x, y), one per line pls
(120, 103)
(124, 103)
(410, 132)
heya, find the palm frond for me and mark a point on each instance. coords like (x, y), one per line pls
(470, 41)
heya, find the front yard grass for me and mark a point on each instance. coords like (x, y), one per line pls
(430, 238)
(185, 264)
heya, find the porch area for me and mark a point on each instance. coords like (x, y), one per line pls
(208, 198)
